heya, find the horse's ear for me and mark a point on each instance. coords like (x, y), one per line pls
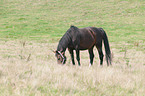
(56, 52)
(53, 51)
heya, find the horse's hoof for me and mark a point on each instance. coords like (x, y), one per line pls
(90, 65)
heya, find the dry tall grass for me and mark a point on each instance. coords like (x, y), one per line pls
(29, 68)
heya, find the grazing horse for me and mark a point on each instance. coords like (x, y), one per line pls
(83, 39)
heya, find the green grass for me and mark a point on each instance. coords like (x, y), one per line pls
(49, 19)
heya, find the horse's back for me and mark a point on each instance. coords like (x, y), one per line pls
(87, 38)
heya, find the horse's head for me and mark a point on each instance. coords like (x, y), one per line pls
(61, 58)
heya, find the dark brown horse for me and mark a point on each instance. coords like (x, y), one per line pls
(83, 39)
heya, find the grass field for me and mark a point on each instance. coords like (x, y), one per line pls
(30, 29)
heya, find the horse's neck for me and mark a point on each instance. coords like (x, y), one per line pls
(63, 44)
(61, 48)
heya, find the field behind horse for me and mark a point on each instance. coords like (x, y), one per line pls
(30, 29)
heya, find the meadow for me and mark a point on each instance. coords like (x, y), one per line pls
(30, 29)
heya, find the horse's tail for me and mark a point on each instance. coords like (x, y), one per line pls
(107, 48)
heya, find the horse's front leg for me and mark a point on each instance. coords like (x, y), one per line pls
(72, 56)
(78, 56)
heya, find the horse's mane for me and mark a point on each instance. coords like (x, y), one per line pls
(68, 37)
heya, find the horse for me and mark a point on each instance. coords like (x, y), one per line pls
(83, 39)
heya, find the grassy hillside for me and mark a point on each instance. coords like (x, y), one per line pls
(38, 19)
(29, 29)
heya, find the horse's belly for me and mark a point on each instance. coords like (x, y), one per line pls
(87, 43)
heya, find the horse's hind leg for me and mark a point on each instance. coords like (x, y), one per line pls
(99, 48)
(91, 53)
